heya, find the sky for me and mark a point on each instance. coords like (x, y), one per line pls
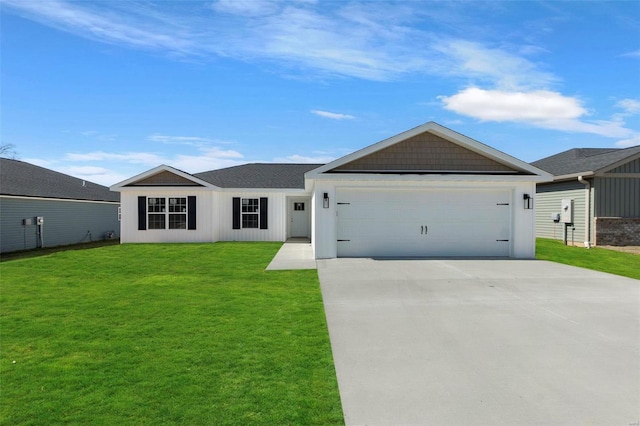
(105, 90)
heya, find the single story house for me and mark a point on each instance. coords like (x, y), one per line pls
(428, 191)
(43, 208)
(594, 198)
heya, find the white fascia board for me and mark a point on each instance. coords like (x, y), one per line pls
(163, 167)
(443, 132)
(346, 177)
(158, 188)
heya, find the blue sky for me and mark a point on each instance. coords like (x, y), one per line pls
(106, 90)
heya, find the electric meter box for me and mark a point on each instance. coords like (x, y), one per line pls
(566, 211)
(39, 220)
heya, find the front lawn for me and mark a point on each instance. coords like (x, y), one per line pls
(164, 334)
(614, 262)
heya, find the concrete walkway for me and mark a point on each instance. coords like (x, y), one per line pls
(295, 253)
(482, 342)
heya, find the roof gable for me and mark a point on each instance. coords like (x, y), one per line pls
(19, 178)
(161, 176)
(165, 178)
(429, 149)
(425, 152)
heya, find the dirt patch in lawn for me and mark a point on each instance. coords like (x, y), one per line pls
(626, 249)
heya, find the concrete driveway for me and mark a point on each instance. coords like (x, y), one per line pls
(482, 342)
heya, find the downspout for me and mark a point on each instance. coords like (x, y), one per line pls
(587, 211)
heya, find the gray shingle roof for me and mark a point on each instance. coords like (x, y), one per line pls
(28, 180)
(259, 175)
(580, 160)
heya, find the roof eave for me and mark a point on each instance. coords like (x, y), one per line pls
(163, 167)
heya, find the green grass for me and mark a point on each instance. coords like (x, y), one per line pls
(613, 262)
(164, 334)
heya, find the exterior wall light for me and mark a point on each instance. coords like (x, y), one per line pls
(528, 201)
(325, 200)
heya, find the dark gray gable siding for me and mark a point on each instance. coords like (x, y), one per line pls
(29, 180)
(630, 167)
(65, 222)
(616, 197)
(259, 175)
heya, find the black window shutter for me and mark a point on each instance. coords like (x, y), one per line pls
(264, 207)
(142, 213)
(191, 207)
(236, 212)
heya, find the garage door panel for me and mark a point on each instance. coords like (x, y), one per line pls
(423, 223)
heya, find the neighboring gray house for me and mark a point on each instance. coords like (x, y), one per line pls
(601, 192)
(43, 208)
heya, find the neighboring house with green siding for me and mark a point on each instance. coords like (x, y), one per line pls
(43, 208)
(601, 190)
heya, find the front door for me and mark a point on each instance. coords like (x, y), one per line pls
(299, 217)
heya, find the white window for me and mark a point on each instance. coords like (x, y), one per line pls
(250, 212)
(162, 217)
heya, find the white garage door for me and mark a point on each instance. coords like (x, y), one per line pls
(408, 223)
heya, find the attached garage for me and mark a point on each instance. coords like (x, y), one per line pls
(427, 192)
(423, 222)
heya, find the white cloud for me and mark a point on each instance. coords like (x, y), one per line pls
(180, 140)
(99, 175)
(246, 7)
(625, 143)
(500, 105)
(332, 115)
(630, 106)
(354, 39)
(133, 26)
(542, 108)
(323, 159)
(633, 54)
(127, 157)
(497, 66)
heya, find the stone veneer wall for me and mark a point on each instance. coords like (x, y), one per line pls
(617, 231)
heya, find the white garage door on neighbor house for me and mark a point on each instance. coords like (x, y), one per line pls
(407, 223)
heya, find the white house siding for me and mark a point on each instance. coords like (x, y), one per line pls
(65, 222)
(324, 232)
(548, 200)
(206, 223)
(276, 219)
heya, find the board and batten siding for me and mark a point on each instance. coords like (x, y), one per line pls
(548, 201)
(618, 196)
(206, 226)
(214, 217)
(276, 217)
(65, 222)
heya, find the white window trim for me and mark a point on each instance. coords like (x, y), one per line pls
(167, 213)
(255, 213)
